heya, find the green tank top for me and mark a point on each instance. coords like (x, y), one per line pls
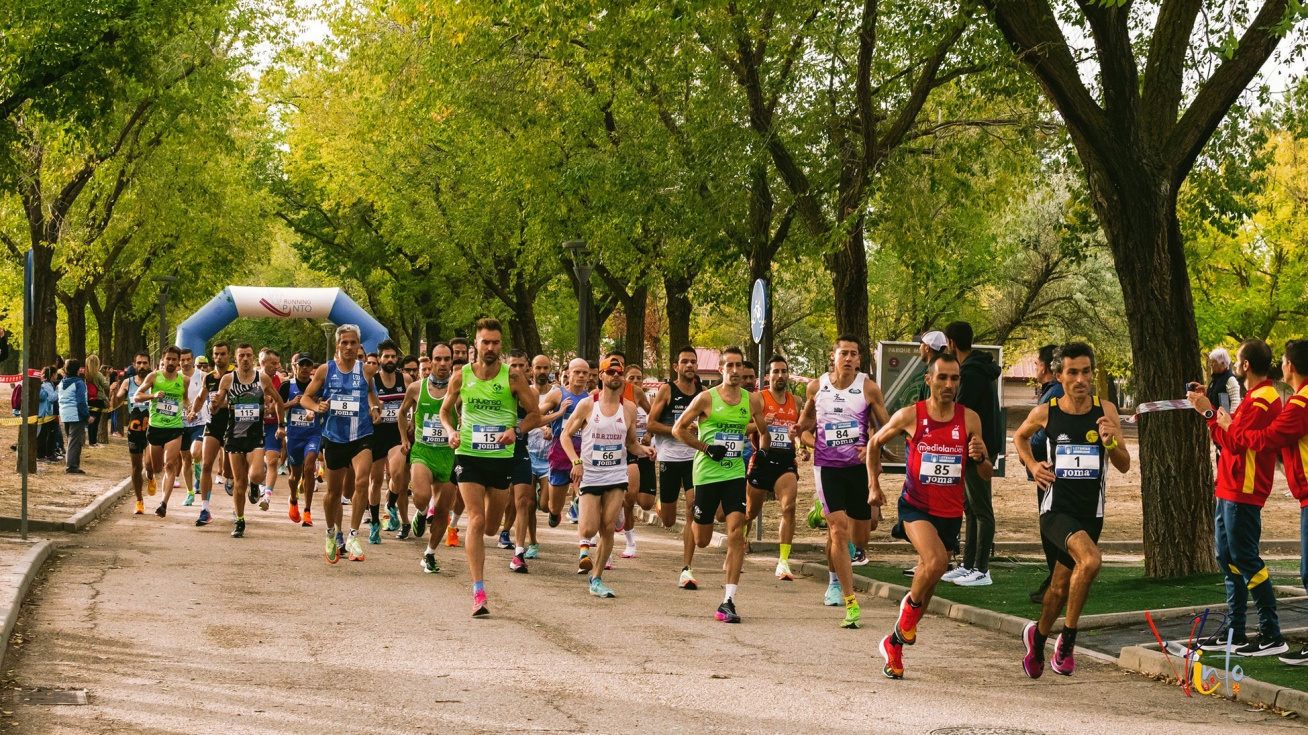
(166, 412)
(489, 409)
(723, 426)
(427, 427)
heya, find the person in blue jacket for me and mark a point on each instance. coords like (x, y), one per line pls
(74, 411)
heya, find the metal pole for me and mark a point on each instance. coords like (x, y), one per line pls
(758, 532)
(583, 319)
(163, 321)
(24, 451)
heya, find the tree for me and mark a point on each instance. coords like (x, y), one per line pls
(1137, 144)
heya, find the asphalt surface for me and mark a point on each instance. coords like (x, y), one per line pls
(174, 629)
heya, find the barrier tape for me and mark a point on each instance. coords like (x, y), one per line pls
(1176, 404)
(31, 373)
(16, 421)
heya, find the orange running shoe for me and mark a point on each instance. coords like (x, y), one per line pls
(294, 513)
(307, 520)
(140, 508)
(452, 536)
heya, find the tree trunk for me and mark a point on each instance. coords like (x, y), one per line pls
(104, 329)
(75, 305)
(848, 268)
(130, 333)
(45, 319)
(523, 330)
(677, 290)
(633, 339)
(432, 329)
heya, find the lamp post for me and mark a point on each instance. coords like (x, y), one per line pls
(583, 264)
(327, 329)
(165, 284)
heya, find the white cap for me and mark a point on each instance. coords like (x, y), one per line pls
(935, 339)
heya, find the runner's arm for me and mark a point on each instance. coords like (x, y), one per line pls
(985, 465)
(529, 400)
(270, 392)
(900, 423)
(876, 401)
(756, 411)
(309, 399)
(576, 422)
(220, 398)
(1110, 432)
(449, 408)
(656, 408)
(407, 405)
(684, 430)
(203, 396)
(807, 415)
(633, 443)
(142, 395)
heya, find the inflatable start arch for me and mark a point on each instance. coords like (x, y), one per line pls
(235, 302)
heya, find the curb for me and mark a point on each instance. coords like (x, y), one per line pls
(79, 520)
(14, 588)
(1118, 619)
(1153, 663)
(651, 518)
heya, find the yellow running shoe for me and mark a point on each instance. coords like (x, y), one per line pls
(151, 489)
(140, 508)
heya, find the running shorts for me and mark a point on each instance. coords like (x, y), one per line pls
(340, 455)
(946, 528)
(385, 437)
(244, 444)
(649, 476)
(439, 461)
(522, 473)
(560, 478)
(217, 426)
(136, 442)
(494, 473)
(601, 489)
(299, 449)
(192, 435)
(540, 467)
(158, 437)
(674, 477)
(843, 489)
(270, 441)
(730, 494)
(768, 467)
(1059, 527)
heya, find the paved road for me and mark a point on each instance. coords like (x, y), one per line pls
(174, 629)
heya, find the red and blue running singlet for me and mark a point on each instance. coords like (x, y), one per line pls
(937, 454)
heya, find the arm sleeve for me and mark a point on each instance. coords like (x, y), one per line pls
(83, 408)
(285, 391)
(1233, 393)
(1255, 416)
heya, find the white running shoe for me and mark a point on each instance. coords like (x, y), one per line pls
(955, 573)
(975, 579)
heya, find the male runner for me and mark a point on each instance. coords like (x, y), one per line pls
(724, 415)
(194, 428)
(943, 437)
(165, 389)
(248, 393)
(522, 493)
(840, 405)
(749, 384)
(642, 472)
(1081, 431)
(339, 390)
(424, 366)
(270, 364)
(676, 459)
(430, 454)
(138, 423)
(482, 432)
(215, 431)
(775, 471)
(607, 425)
(388, 454)
(539, 440)
(459, 346)
(556, 408)
(303, 434)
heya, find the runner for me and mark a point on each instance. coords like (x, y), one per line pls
(523, 481)
(943, 437)
(194, 429)
(138, 424)
(487, 425)
(839, 406)
(270, 364)
(642, 472)
(724, 415)
(339, 390)
(165, 389)
(459, 346)
(398, 502)
(431, 458)
(556, 407)
(303, 434)
(676, 460)
(387, 450)
(424, 366)
(215, 431)
(248, 392)
(538, 448)
(202, 368)
(775, 471)
(607, 424)
(1080, 429)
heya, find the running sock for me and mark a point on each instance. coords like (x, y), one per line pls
(392, 498)
(519, 551)
(835, 579)
(1069, 637)
(585, 548)
(454, 518)
(731, 593)
(914, 605)
(785, 552)
(631, 536)
(478, 587)
(354, 532)
(204, 502)
(430, 550)
(1040, 640)
(373, 511)
(851, 601)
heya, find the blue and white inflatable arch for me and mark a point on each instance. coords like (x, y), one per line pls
(235, 302)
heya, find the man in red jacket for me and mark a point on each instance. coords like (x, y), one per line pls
(1288, 433)
(1244, 480)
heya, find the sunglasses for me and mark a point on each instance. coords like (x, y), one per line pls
(613, 372)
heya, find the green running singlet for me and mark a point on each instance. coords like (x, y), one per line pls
(489, 409)
(723, 426)
(166, 412)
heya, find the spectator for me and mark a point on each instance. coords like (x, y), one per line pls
(47, 411)
(929, 346)
(979, 392)
(73, 414)
(1224, 388)
(97, 397)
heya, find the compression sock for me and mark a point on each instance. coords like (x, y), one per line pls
(785, 552)
(478, 587)
(731, 593)
(373, 511)
(392, 498)
(834, 578)
(1040, 640)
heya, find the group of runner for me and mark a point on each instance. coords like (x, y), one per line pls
(497, 440)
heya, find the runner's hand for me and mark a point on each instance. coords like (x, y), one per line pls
(577, 473)
(1108, 431)
(976, 449)
(862, 452)
(455, 440)
(281, 432)
(875, 497)
(322, 407)
(548, 433)
(716, 452)
(405, 444)
(1224, 419)
(507, 438)
(1043, 473)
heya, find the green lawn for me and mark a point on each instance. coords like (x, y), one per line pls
(1118, 589)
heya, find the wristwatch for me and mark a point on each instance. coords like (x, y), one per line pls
(1209, 414)
(576, 463)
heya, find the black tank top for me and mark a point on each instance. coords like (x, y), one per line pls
(245, 401)
(390, 398)
(1078, 458)
(678, 403)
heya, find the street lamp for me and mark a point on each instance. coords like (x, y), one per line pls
(327, 329)
(583, 264)
(166, 283)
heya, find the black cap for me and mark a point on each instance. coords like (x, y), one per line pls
(304, 359)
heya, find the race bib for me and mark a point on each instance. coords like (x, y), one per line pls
(246, 412)
(779, 437)
(607, 455)
(487, 438)
(1076, 462)
(733, 442)
(390, 412)
(840, 433)
(139, 407)
(343, 408)
(166, 407)
(641, 429)
(300, 419)
(433, 432)
(940, 469)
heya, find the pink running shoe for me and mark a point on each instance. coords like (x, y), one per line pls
(1062, 663)
(479, 604)
(1032, 664)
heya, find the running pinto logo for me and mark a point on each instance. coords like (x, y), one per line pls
(1205, 679)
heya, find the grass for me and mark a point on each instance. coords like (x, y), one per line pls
(1117, 589)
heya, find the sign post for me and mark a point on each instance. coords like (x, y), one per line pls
(24, 428)
(758, 317)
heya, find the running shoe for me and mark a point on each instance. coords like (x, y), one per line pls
(727, 612)
(479, 604)
(893, 652)
(253, 492)
(229, 486)
(533, 551)
(629, 552)
(429, 564)
(293, 512)
(162, 510)
(906, 625)
(204, 518)
(140, 507)
(517, 564)
(814, 516)
(239, 531)
(354, 548)
(975, 579)
(1260, 646)
(374, 534)
(452, 536)
(392, 518)
(955, 573)
(783, 570)
(833, 597)
(554, 520)
(190, 498)
(1299, 658)
(853, 616)
(177, 483)
(265, 500)
(860, 557)
(333, 552)
(622, 520)
(404, 532)
(419, 525)
(151, 488)
(572, 511)
(584, 564)
(687, 581)
(599, 589)
(910, 571)
(340, 541)
(307, 520)
(1033, 663)
(1064, 663)
(505, 541)
(608, 564)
